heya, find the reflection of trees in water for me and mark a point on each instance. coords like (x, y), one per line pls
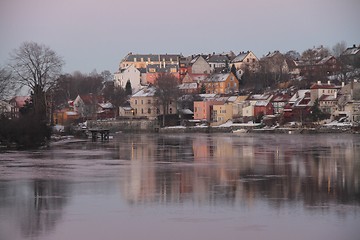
(205, 168)
(37, 205)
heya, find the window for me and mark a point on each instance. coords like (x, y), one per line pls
(142, 101)
(170, 110)
(142, 111)
(149, 101)
(149, 111)
(247, 60)
(135, 102)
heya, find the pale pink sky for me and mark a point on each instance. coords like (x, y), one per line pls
(92, 34)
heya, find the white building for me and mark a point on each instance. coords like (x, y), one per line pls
(130, 73)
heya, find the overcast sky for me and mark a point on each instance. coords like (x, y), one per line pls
(97, 34)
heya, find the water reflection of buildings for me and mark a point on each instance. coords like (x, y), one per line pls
(212, 168)
(34, 207)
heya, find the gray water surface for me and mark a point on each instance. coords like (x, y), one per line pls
(185, 186)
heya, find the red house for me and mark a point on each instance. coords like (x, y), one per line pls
(263, 108)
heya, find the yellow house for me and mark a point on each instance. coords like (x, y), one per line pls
(222, 113)
(65, 117)
(221, 83)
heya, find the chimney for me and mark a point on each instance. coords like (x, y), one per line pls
(342, 84)
(328, 82)
(354, 46)
(319, 82)
(335, 94)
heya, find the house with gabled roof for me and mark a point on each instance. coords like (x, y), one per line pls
(298, 107)
(129, 73)
(279, 101)
(221, 83)
(318, 89)
(227, 111)
(189, 88)
(203, 110)
(351, 56)
(250, 102)
(86, 105)
(245, 60)
(218, 62)
(17, 103)
(198, 65)
(144, 103)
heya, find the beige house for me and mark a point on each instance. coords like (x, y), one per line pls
(222, 113)
(245, 60)
(199, 65)
(319, 89)
(251, 101)
(145, 104)
(353, 110)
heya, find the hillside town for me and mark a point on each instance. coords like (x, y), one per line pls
(315, 87)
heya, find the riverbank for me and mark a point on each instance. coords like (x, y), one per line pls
(278, 130)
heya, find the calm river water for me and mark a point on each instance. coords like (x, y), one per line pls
(185, 186)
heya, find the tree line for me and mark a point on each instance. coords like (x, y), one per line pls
(38, 68)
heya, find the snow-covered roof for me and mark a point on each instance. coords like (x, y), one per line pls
(240, 57)
(71, 113)
(218, 58)
(323, 86)
(186, 111)
(299, 95)
(218, 77)
(232, 98)
(152, 57)
(106, 105)
(324, 60)
(188, 86)
(259, 97)
(351, 51)
(207, 95)
(145, 92)
(261, 103)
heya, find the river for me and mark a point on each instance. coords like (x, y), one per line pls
(184, 186)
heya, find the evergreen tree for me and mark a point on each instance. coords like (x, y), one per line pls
(202, 89)
(316, 113)
(128, 89)
(233, 70)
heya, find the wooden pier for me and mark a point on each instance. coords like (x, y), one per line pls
(104, 134)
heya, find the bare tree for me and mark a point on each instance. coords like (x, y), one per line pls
(36, 67)
(6, 86)
(167, 91)
(339, 48)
